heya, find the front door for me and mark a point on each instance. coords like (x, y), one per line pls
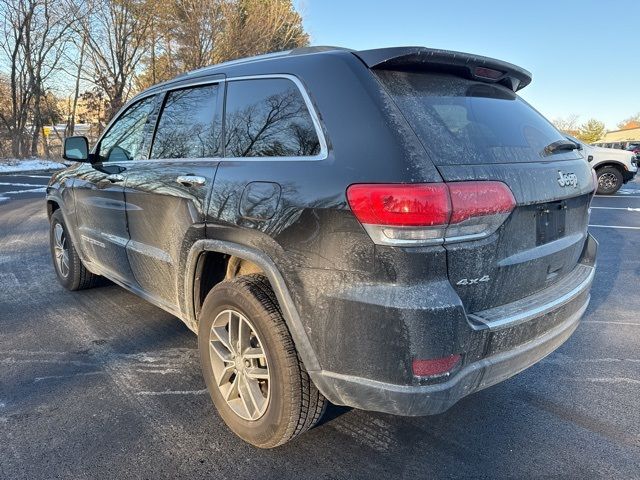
(99, 193)
(167, 194)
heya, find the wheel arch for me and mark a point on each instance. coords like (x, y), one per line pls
(611, 163)
(220, 248)
(55, 203)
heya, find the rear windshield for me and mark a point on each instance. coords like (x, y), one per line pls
(460, 121)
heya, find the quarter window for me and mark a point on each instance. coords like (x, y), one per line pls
(125, 139)
(268, 118)
(189, 126)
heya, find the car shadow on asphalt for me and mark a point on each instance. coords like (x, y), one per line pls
(609, 258)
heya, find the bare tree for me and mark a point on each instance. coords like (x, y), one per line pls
(46, 40)
(255, 27)
(17, 16)
(199, 26)
(568, 124)
(5, 112)
(71, 124)
(118, 47)
(159, 63)
(35, 34)
(190, 34)
(116, 33)
(183, 35)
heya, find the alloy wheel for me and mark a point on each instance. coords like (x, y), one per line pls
(239, 364)
(61, 251)
(607, 181)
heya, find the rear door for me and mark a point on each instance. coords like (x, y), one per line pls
(167, 193)
(99, 192)
(473, 130)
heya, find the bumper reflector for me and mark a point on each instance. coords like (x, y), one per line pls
(435, 366)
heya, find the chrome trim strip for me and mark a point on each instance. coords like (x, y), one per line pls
(527, 315)
(92, 241)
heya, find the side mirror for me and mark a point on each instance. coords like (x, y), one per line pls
(76, 149)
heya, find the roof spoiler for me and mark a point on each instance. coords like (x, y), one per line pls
(471, 66)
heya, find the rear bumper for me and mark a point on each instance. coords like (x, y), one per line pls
(540, 327)
(629, 174)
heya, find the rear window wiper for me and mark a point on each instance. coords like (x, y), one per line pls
(559, 146)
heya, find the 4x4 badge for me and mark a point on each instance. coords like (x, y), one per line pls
(473, 281)
(567, 179)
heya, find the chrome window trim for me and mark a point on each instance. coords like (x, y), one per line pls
(324, 151)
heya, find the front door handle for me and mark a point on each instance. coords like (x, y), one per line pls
(191, 180)
(115, 178)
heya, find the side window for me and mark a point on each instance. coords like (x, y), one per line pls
(125, 138)
(268, 118)
(188, 126)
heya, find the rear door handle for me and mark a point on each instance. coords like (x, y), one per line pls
(115, 178)
(191, 180)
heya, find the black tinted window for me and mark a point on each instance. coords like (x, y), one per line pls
(460, 121)
(268, 118)
(188, 127)
(125, 139)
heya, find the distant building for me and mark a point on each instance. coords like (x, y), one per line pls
(621, 138)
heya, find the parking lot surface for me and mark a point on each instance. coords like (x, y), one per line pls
(101, 384)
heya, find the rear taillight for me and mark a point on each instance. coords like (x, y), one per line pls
(430, 213)
(478, 209)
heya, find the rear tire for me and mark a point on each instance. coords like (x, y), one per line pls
(70, 271)
(284, 401)
(609, 180)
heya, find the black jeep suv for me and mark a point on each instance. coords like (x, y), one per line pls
(388, 229)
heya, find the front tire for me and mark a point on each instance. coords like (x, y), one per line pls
(609, 180)
(250, 365)
(70, 271)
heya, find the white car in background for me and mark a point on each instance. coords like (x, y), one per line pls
(613, 167)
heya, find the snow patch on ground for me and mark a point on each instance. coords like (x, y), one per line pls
(28, 190)
(28, 165)
(11, 184)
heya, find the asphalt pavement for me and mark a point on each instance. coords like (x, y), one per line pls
(101, 384)
(22, 185)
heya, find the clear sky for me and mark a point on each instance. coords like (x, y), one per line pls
(584, 55)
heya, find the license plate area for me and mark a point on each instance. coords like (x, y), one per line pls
(550, 221)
